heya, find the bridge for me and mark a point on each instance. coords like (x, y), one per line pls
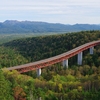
(56, 59)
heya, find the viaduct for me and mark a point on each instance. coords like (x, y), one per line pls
(56, 59)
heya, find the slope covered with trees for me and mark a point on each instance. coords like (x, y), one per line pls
(10, 57)
(37, 48)
(56, 82)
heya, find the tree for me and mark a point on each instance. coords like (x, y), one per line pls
(5, 88)
(19, 94)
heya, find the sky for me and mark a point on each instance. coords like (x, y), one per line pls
(52, 11)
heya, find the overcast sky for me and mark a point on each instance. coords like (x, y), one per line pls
(53, 11)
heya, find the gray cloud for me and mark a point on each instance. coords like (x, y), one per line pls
(80, 9)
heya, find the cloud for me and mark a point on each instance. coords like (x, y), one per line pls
(50, 8)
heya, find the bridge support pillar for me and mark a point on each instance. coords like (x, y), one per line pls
(91, 50)
(80, 58)
(65, 63)
(38, 72)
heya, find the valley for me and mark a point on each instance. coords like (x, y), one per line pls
(78, 82)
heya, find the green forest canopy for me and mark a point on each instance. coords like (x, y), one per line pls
(56, 82)
(37, 48)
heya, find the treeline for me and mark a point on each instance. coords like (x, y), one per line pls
(37, 48)
(9, 37)
(21, 51)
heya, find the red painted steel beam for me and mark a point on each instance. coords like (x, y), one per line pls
(53, 60)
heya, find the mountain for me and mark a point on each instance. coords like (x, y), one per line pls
(14, 26)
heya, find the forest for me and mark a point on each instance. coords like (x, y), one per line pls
(56, 82)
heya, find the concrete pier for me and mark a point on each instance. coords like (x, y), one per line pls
(80, 58)
(65, 63)
(38, 72)
(91, 50)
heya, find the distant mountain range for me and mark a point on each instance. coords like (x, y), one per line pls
(13, 26)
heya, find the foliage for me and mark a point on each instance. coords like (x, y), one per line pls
(58, 87)
(56, 82)
(9, 57)
(5, 88)
(42, 47)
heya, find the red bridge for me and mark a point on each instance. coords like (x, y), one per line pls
(56, 59)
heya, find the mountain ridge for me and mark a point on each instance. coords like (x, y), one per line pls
(14, 26)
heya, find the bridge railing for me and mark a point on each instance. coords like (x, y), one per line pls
(53, 60)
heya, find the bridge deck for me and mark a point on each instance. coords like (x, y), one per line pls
(55, 59)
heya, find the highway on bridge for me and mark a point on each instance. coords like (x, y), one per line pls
(53, 60)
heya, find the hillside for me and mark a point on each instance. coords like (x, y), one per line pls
(56, 82)
(37, 48)
(13, 26)
(10, 57)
